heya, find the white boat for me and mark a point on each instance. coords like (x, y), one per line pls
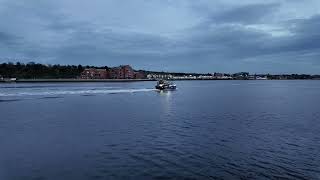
(165, 85)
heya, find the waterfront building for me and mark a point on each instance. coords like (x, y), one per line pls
(185, 77)
(252, 77)
(116, 73)
(160, 76)
(122, 72)
(139, 75)
(261, 78)
(127, 72)
(92, 73)
(205, 77)
(218, 75)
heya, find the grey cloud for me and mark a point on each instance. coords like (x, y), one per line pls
(306, 27)
(235, 44)
(219, 40)
(305, 36)
(248, 14)
(8, 39)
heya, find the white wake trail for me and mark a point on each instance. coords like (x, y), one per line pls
(75, 92)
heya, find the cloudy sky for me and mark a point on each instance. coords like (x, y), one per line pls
(276, 36)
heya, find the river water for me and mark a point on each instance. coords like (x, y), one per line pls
(203, 130)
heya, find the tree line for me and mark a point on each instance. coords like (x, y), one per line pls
(39, 71)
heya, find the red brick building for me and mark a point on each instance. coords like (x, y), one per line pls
(121, 72)
(93, 73)
(116, 73)
(139, 75)
(127, 72)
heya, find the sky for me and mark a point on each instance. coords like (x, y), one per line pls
(268, 36)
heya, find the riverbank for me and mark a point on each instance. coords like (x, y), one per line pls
(72, 80)
(90, 80)
(119, 80)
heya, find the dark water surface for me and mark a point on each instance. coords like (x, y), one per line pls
(204, 130)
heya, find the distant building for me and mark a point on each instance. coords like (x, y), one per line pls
(221, 76)
(92, 73)
(261, 78)
(218, 75)
(139, 75)
(241, 76)
(127, 71)
(116, 73)
(150, 76)
(122, 72)
(159, 76)
(252, 77)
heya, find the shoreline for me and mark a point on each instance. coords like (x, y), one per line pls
(73, 80)
(123, 80)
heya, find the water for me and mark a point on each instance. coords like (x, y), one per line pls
(204, 130)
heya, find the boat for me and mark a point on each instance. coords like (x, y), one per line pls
(165, 85)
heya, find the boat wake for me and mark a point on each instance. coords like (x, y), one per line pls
(74, 92)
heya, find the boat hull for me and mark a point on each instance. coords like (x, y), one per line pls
(169, 87)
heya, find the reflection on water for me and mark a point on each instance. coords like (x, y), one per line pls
(203, 130)
(166, 94)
